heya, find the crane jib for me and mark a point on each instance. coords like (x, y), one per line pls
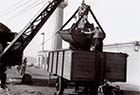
(25, 36)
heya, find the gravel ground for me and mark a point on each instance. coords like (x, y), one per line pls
(27, 90)
(39, 85)
(30, 90)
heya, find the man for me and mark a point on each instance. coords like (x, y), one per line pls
(24, 66)
(109, 89)
(2, 70)
(3, 65)
(1, 48)
(97, 38)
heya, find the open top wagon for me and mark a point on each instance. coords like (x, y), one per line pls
(85, 67)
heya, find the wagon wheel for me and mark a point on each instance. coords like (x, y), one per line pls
(60, 85)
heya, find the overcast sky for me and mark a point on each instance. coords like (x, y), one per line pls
(120, 19)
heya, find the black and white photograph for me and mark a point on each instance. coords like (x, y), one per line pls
(69, 47)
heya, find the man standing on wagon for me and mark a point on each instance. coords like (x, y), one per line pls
(98, 38)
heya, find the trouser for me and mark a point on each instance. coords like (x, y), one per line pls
(3, 80)
(98, 45)
(3, 75)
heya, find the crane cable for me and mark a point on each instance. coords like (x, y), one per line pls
(27, 9)
(46, 40)
(21, 8)
(15, 7)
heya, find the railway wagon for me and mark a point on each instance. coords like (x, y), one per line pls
(87, 69)
(76, 65)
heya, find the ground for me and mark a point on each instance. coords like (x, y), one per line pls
(30, 90)
(39, 84)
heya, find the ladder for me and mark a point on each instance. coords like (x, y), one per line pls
(25, 36)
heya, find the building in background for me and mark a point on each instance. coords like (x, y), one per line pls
(133, 60)
(42, 59)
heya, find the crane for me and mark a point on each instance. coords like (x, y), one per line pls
(24, 37)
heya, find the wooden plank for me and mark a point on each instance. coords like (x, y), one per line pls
(50, 62)
(100, 66)
(115, 66)
(116, 77)
(60, 61)
(54, 63)
(83, 66)
(67, 74)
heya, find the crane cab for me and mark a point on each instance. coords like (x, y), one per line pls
(13, 57)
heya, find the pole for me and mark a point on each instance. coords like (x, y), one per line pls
(43, 34)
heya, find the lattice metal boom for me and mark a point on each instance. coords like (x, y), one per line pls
(31, 29)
